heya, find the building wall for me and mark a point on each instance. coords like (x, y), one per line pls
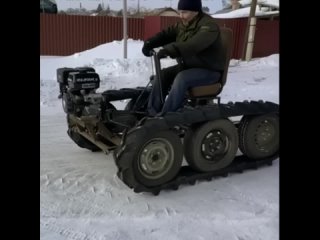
(67, 34)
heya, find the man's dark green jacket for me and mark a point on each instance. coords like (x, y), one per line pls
(198, 44)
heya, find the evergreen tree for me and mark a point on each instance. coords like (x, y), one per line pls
(119, 13)
(205, 9)
(99, 8)
(108, 9)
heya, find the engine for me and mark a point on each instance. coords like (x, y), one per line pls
(77, 88)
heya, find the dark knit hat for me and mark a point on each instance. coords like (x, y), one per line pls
(191, 5)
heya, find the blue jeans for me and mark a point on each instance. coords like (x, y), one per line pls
(182, 81)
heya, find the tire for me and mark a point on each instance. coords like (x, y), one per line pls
(110, 106)
(79, 139)
(141, 105)
(211, 146)
(259, 136)
(67, 104)
(129, 105)
(156, 158)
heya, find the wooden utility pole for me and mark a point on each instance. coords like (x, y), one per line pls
(125, 29)
(250, 32)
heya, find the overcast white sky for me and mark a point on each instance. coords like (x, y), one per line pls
(81, 198)
(213, 5)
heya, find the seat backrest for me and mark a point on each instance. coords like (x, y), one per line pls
(214, 89)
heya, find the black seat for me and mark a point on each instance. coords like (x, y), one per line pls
(212, 90)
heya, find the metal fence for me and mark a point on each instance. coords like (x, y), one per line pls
(67, 34)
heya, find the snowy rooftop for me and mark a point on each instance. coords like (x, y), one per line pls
(244, 11)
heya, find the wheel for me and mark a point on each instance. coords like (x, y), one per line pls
(211, 146)
(67, 103)
(110, 106)
(151, 158)
(158, 158)
(259, 136)
(139, 104)
(129, 105)
(79, 139)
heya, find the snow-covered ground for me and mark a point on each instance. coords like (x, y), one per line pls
(81, 197)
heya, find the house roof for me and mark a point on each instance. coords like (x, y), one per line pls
(161, 11)
(271, 3)
(264, 8)
(244, 12)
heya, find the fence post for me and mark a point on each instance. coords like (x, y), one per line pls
(125, 28)
(249, 34)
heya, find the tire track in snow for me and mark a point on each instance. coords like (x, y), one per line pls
(264, 205)
(69, 233)
(259, 205)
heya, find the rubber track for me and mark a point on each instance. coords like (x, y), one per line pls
(124, 154)
(189, 176)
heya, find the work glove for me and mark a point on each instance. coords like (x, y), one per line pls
(163, 53)
(146, 49)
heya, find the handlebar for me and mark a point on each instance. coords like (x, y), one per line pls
(155, 54)
(152, 53)
(157, 66)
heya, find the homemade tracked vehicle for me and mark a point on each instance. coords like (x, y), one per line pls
(148, 151)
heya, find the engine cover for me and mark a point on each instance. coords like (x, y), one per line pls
(83, 80)
(63, 73)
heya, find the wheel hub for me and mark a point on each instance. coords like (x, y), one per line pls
(265, 134)
(156, 158)
(214, 145)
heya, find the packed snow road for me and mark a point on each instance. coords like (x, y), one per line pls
(82, 198)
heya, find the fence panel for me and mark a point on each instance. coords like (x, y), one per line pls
(67, 34)
(266, 38)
